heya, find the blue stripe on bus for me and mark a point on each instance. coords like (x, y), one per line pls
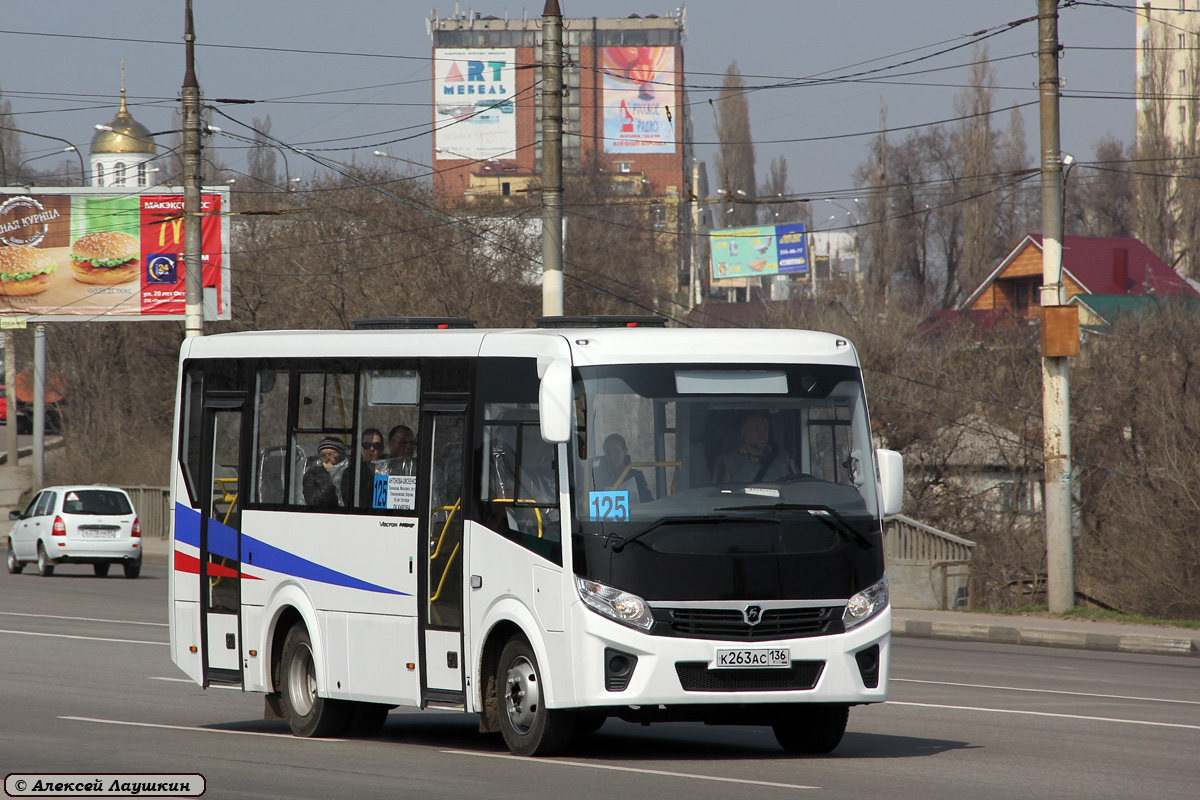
(223, 541)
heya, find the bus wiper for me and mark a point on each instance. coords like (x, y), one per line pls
(618, 541)
(824, 513)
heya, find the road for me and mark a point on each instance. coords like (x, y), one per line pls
(86, 685)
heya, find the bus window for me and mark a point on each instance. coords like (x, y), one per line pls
(270, 435)
(520, 493)
(189, 436)
(323, 441)
(387, 414)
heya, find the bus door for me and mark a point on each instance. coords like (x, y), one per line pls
(442, 441)
(220, 541)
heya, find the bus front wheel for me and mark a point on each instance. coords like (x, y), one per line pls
(812, 730)
(308, 714)
(529, 728)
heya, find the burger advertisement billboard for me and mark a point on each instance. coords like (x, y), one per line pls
(67, 254)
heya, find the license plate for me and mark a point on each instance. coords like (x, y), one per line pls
(96, 533)
(752, 658)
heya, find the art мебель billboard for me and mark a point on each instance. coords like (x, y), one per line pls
(106, 253)
(473, 112)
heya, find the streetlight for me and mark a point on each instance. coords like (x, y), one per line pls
(381, 154)
(43, 155)
(82, 168)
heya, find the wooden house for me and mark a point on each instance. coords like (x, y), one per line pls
(1092, 265)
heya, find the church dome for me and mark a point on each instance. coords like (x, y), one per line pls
(127, 135)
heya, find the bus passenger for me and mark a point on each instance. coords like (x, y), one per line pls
(756, 458)
(372, 451)
(611, 472)
(323, 481)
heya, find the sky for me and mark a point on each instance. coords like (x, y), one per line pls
(355, 74)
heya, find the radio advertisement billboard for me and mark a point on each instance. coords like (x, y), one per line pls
(473, 113)
(750, 252)
(72, 253)
(639, 90)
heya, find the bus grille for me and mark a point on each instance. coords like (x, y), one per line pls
(695, 676)
(777, 623)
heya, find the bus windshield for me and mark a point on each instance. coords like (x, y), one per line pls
(685, 441)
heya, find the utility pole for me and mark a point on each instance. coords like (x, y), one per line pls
(1056, 397)
(552, 244)
(10, 391)
(192, 259)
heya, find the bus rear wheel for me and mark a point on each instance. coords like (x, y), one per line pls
(812, 730)
(529, 728)
(308, 714)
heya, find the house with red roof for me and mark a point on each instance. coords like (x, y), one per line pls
(1092, 265)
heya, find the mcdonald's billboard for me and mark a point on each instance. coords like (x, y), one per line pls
(104, 254)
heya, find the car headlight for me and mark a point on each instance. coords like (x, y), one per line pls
(615, 604)
(866, 604)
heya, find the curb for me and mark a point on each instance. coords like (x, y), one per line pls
(1043, 637)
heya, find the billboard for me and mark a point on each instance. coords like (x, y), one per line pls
(639, 90)
(473, 112)
(72, 253)
(750, 252)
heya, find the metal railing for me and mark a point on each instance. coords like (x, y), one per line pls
(153, 505)
(930, 565)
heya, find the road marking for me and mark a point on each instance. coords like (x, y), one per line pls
(194, 728)
(88, 638)
(1049, 714)
(590, 765)
(82, 619)
(189, 680)
(1050, 691)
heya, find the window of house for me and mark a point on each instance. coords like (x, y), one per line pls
(119, 173)
(624, 166)
(1182, 41)
(99, 174)
(1182, 115)
(141, 172)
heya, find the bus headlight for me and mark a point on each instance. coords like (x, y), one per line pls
(615, 604)
(866, 604)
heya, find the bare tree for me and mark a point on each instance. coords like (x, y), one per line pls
(1156, 152)
(10, 143)
(735, 160)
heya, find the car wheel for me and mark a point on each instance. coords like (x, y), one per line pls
(45, 565)
(132, 568)
(308, 714)
(529, 728)
(14, 566)
(812, 730)
(101, 570)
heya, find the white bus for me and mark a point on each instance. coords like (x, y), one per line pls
(595, 521)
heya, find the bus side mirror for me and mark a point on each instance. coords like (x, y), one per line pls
(554, 401)
(891, 481)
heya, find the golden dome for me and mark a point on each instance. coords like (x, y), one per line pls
(127, 134)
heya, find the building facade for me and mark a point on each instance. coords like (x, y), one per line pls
(1168, 66)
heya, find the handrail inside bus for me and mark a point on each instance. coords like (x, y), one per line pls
(226, 497)
(446, 572)
(446, 525)
(537, 511)
(678, 465)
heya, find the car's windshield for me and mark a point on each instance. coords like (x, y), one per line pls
(718, 441)
(96, 501)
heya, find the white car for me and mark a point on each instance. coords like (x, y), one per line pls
(94, 525)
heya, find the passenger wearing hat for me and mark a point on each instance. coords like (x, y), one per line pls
(323, 481)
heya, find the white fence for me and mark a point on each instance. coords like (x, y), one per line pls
(926, 568)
